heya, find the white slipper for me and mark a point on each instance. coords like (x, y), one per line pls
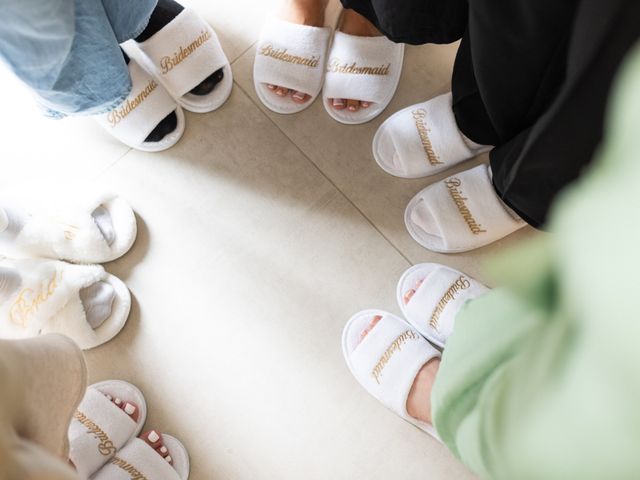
(48, 301)
(141, 112)
(138, 460)
(460, 213)
(100, 428)
(387, 360)
(361, 68)
(423, 140)
(292, 56)
(66, 230)
(184, 53)
(433, 307)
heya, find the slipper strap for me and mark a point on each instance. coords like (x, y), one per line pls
(435, 304)
(137, 460)
(388, 359)
(98, 429)
(292, 55)
(184, 52)
(139, 114)
(362, 68)
(47, 288)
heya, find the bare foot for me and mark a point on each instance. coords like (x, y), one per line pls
(154, 440)
(419, 399)
(129, 408)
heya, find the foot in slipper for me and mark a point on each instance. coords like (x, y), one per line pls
(184, 55)
(460, 213)
(82, 302)
(423, 140)
(393, 363)
(431, 295)
(84, 229)
(363, 71)
(111, 414)
(291, 55)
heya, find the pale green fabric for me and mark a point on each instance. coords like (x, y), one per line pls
(541, 379)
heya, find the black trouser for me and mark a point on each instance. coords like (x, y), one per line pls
(531, 77)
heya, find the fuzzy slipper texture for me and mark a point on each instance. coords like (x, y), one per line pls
(64, 229)
(387, 360)
(184, 53)
(433, 307)
(361, 68)
(139, 460)
(139, 114)
(460, 213)
(423, 140)
(291, 56)
(100, 428)
(48, 301)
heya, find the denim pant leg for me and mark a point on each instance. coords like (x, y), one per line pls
(128, 18)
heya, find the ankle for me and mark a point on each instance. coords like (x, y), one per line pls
(303, 12)
(355, 24)
(419, 400)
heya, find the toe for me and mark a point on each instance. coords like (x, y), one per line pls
(282, 92)
(408, 296)
(364, 104)
(300, 97)
(353, 105)
(132, 410)
(271, 87)
(374, 322)
(153, 438)
(163, 450)
(338, 103)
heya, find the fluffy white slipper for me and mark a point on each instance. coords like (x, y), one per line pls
(291, 56)
(460, 213)
(66, 230)
(184, 53)
(138, 460)
(387, 360)
(141, 112)
(48, 301)
(99, 428)
(362, 68)
(433, 307)
(422, 140)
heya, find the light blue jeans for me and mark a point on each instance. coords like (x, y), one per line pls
(68, 51)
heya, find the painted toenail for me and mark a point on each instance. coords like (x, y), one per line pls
(118, 401)
(153, 436)
(338, 102)
(168, 458)
(364, 104)
(129, 409)
(298, 96)
(163, 449)
(109, 397)
(352, 108)
(271, 87)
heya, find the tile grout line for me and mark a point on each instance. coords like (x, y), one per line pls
(358, 209)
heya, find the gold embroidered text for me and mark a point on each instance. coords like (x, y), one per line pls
(395, 346)
(127, 467)
(283, 55)
(168, 62)
(336, 66)
(462, 283)
(29, 300)
(119, 114)
(453, 185)
(419, 116)
(106, 446)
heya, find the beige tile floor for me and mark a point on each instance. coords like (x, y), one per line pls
(259, 236)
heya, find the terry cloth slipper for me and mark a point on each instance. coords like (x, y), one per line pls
(184, 53)
(67, 230)
(361, 68)
(460, 213)
(438, 294)
(423, 140)
(139, 114)
(140, 461)
(100, 428)
(291, 56)
(48, 301)
(387, 360)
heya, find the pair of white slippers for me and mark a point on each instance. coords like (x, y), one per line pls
(310, 60)
(460, 213)
(47, 298)
(104, 443)
(386, 361)
(163, 70)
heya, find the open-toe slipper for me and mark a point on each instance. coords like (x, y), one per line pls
(139, 114)
(361, 68)
(422, 140)
(460, 213)
(67, 230)
(139, 460)
(48, 301)
(386, 361)
(183, 54)
(438, 294)
(291, 56)
(100, 428)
